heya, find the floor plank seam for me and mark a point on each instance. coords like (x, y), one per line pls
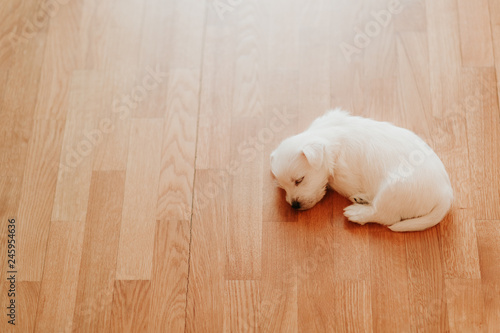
(194, 162)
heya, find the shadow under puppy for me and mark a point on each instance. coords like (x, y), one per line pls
(391, 175)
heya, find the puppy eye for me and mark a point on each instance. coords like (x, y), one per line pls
(298, 181)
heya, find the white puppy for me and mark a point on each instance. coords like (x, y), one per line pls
(391, 175)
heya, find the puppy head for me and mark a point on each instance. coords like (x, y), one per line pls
(300, 166)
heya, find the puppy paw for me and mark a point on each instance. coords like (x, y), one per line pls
(359, 199)
(359, 213)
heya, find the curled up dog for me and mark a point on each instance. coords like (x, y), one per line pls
(391, 176)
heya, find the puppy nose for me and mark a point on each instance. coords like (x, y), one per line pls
(295, 205)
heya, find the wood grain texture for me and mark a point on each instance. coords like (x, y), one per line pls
(205, 295)
(62, 56)
(189, 29)
(282, 102)
(28, 293)
(135, 253)
(279, 282)
(123, 76)
(412, 18)
(313, 59)
(243, 244)
(413, 83)
(169, 277)
(97, 26)
(155, 41)
(181, 112)
(494, 7)
(346, 68)
(131, 306)
(348, 243)
(216, 95)
(248, 96)
(100, 251)
(333, 264)
(81, 135)
(465, 304)
(241, 307)
(57, 297)
(134, 155)
(444, 71)
(14, 38)
(426, 290)
(178, 147)
(489, 250)
(459, 245)
(26, 304)
(9, 196)
(475, 33)
(37, 197)
(483, 133)
(448, 141)
(348, 308)
(389, 281)
(20, 70)
(488, 234)
(244, 228)
(128, 18)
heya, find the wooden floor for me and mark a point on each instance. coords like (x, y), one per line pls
(134, 157)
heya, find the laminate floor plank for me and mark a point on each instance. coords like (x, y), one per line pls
(135, 143)
(137, 230)
(94, 296)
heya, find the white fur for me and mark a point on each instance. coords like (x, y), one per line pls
(391, 175)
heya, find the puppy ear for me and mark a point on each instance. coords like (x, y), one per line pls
(314, 152)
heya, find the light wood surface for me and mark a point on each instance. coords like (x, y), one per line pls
(134, 155)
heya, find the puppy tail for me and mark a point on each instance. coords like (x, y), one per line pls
(424, 222)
